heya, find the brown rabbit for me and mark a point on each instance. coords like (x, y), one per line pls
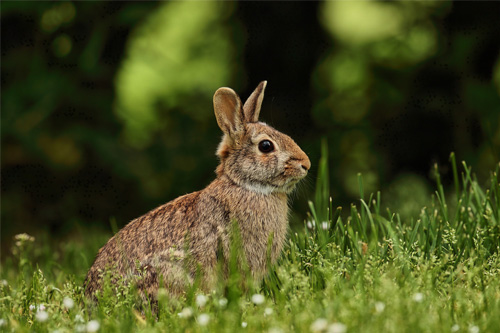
(258, 167)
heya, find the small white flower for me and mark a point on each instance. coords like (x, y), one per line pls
(32, 307)
(68, 303)
(337, 328)
(258, 299)
(79, 318)
(309, 225)
(418, 297)
(222, 302)
(2, 322)
(379, 307)
(186, 312)
(319, 325)
(203, 319)
(455, 328)
(24, 238)
(268, 311)
(201, 300)
(93, 326)
(41, 307)
(42, 316)
(324, 225)
(473, 329)
(4, 283)
(244, 324)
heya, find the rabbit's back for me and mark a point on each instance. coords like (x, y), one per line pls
(157, 243)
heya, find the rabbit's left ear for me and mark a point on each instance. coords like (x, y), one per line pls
(229, 113)
(252, 106)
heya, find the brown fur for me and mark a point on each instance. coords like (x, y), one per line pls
(172, 241)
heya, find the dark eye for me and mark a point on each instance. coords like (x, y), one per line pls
(266, 146)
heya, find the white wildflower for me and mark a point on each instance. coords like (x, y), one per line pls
(222, 302)
(41, 307)
(32, 307)
(203, 319)
(379, 307)
(2, 322)
(4, 283)
(79, 318)
(319, 325)
(268, 311)
(309, 225)
(93, 326)
(455, 328)
(68, 303)
(337, 328)
(42, 316)
(418, 297)
(258, 299)
(244, 324)
(201, 300)
(324, 225)
(474, 329)
(187, 312)
(24, 238)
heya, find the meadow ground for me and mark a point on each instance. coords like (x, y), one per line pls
(367, 270)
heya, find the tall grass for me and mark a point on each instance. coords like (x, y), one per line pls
(361, 270)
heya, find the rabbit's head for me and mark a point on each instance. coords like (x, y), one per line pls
(252, 154)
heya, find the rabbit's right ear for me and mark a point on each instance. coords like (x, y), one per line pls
(252, 106)
(229, 113)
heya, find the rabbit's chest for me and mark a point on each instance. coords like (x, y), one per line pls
(263, 225)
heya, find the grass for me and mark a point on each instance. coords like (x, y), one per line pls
(364, 270)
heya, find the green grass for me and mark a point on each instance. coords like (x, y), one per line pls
(361, 270)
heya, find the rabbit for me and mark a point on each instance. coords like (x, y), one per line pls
(259, 167)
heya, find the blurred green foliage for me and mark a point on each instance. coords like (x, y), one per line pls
(403, 78)
(107, 106)
(168, 67)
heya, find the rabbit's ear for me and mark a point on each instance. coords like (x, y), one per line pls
(229, 113)
(254, 102)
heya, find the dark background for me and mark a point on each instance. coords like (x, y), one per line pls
(107, 106)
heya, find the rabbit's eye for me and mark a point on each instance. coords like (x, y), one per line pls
(266, 146)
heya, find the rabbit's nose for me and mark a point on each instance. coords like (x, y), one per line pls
(305, 164)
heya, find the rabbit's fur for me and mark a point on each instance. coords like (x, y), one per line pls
(174, 240)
